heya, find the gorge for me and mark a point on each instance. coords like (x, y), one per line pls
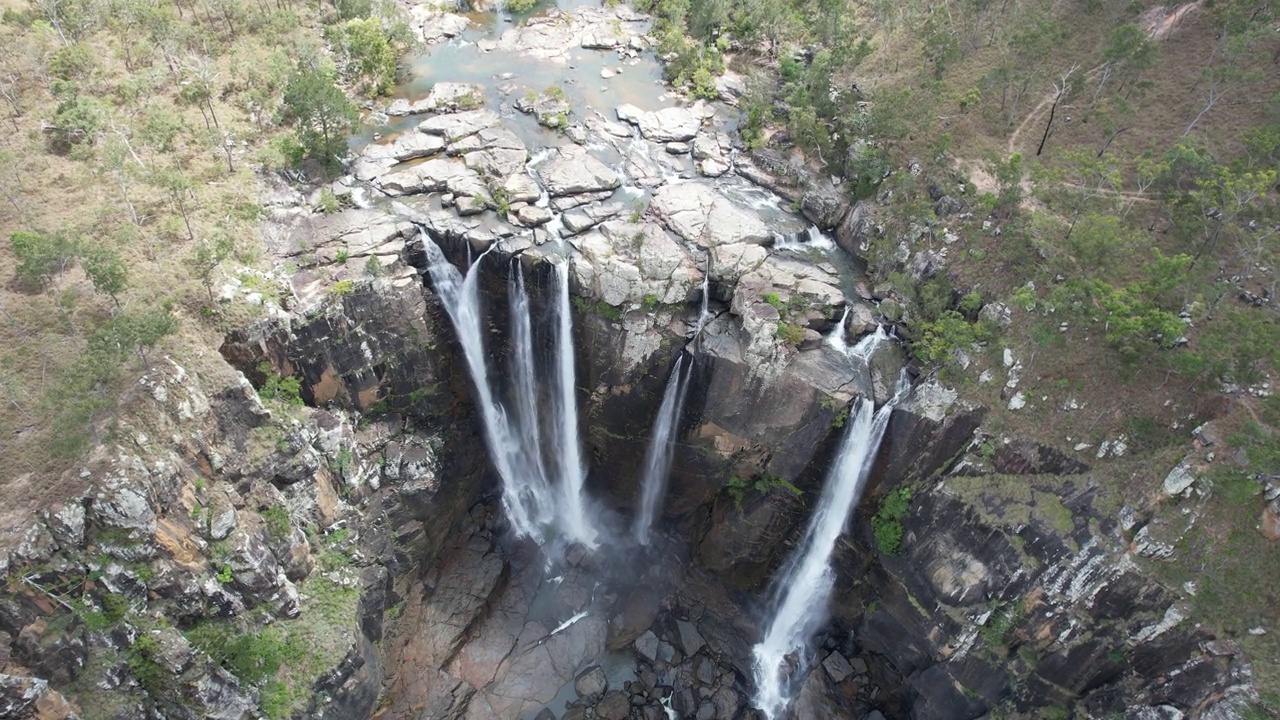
(597, 415)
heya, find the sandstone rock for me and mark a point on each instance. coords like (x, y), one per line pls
(690, 639)
(824, 204)
(647, 646)
(674, 124)
(1179, 479)
(587, 217)
(712, 167)
(67, 525)
(573, 171)
(591, 683)
(459, 125)
(443, 97)
(432, 25)
(614, 706)
(532, 216)
(700, 214)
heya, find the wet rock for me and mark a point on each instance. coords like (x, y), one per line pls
(824, 204)
(837, 667)
(674, 124)
(573, 171)
(591, 683)
(690, 639)
(533, 216)
(456, 126)
(647, 646)
(614, 706)
(444, 97)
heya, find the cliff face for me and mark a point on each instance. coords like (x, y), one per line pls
(216, 515)
(308, 526)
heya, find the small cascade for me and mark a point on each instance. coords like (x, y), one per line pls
(657, 459)
(836, 338)
(809, 239)
(704, 312)
(524, 455)
(804, 587)
(866, 347)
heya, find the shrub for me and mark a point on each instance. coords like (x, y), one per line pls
(887, 522)
(285, 389)
(790, 334)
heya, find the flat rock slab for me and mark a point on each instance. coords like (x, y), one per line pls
(444, 97)
(572, 171)
(701, 215)
(459, 125)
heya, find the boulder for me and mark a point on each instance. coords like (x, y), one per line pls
(591, 683)
(672, 124)
(573, 171)
(459, 125)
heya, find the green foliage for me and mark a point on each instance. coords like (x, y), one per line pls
(773, 299)
(790, 334)
(77, 121)
(366, 55)
(205, 259)
(737, 488)
(279, 525)
(106, 270)
(950, 332)
(342, 288)
(1000, 622)
(328, 202)
(132, 332)
(321, 113)
(372, 267)
(886, 524)
(41, 256)
(520, 6)
(597, 307)
(149, 674)
(285, 389)
(73, 62)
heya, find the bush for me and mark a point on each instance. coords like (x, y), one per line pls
(285, 389)
(790, 334)
(41, 256)
(887, 522)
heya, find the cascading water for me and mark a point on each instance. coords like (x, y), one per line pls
(657, 459)
(568, 449)
(704, 312)
(803, 589)
(517, 443)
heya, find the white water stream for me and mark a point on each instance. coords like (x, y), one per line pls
(657, 459)
(536, 500)
(804, 587)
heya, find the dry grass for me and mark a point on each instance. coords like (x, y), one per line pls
(43, 332)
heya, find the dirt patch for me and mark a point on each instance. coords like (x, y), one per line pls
(1160, 22)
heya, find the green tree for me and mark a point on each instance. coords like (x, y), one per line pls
(321, 112)
(41, 256)
(367, 55)
(107, 272)
(180, 191)
(206, 258)
(133, 332)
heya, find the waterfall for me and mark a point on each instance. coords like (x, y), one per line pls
(657, 459)
(517, 444)
(568, 448)
(704, 312)
(865, 347)
(802, 591)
